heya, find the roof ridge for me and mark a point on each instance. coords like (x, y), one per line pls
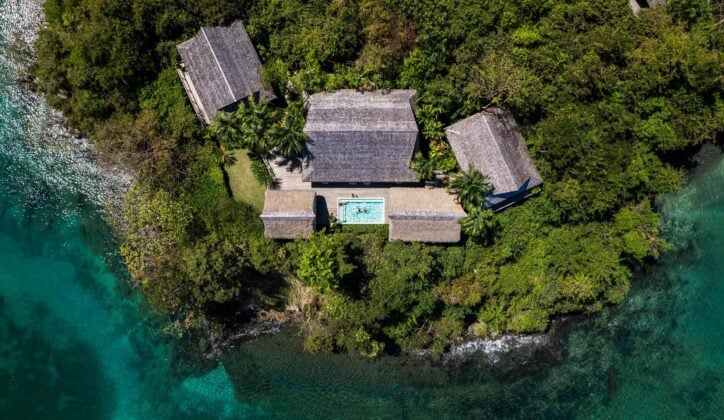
(218, 64)
(497, 146)
(318, 130)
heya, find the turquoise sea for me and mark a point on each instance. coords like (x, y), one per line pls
(77, 342)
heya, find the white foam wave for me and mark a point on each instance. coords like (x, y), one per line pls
(495, 348)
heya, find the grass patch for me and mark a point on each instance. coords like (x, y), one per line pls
(382, 230)
(244, 185)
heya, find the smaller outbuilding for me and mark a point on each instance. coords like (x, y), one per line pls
(219, 68)
(289, 214)
(491, 142)
(424, 215)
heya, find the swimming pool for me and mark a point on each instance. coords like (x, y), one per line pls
(361, 211)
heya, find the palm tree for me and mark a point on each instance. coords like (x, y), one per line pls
(254, 121)
(226, 156)
(224, 128)
(471, 187)
(290, 143)
(262, 174)
(288, 136)
(478, 223)
(424, 167)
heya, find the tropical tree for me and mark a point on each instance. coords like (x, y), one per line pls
(255, 121)
(262, 174)
(478, 223)
(289, 143)
(424, 167)
(288, 136)
(471, 187)
(323, 263)
(226, 156)
(224, 128)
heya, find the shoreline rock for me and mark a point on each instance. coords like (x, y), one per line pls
(264, 322)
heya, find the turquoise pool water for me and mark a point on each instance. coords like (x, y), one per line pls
(362, 211)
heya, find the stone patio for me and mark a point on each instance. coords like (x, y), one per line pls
(289, 177)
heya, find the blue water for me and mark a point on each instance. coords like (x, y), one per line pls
(362, 211)
(77, 342)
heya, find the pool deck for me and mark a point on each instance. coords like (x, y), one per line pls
(413, 213)
(290, 178)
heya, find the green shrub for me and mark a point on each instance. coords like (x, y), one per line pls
(528, 321)
(323, 263)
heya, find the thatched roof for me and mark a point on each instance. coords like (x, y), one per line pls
(221, 68)
(424, 215)
(289, 214)
(491, 142)
(361, 137)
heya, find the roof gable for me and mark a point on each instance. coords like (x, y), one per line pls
(352, 110)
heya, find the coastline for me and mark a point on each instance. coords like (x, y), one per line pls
(54, 139)
(270, 322)
(91, 347)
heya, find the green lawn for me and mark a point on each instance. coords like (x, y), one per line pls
(243, 184)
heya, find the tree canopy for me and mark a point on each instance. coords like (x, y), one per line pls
(608, 103)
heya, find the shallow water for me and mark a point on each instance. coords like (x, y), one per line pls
(77, 342)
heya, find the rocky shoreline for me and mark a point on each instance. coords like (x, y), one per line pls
(52, 139)
(60, 139)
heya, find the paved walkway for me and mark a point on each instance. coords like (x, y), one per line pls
(288, 174)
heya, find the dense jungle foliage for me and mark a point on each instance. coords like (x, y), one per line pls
(606, 101)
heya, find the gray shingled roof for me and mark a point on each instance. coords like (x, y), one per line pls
(424, 215)
(223, 67)
(492, 143)
(423, 203)
(289, 214)
(361, 137)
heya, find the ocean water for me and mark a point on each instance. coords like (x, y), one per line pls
(77, 342)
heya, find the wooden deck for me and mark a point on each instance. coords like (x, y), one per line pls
(288, 174)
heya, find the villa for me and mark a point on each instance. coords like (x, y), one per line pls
(490, 142)
(357, 169)
(357, 164)
(219, 68)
